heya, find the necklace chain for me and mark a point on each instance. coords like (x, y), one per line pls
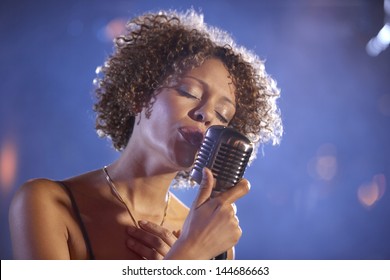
(119, 197)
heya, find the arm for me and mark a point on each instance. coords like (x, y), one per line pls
(210, 228)
(212, 225)
(37, 231)
(153, 242)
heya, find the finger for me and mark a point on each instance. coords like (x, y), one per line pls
(177, 233)
(143, 250)
(205, 188)
(147, 241)
(167, 236)
(234, 193)
(234, 206)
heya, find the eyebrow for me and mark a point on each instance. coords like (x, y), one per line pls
(225, 98)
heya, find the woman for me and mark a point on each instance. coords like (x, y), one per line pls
(170, 78)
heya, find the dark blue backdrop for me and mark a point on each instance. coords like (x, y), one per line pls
(322, 194)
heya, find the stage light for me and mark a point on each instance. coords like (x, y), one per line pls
(382, 40)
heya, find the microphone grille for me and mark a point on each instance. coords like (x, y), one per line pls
(226, 152)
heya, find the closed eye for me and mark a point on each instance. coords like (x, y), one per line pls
(222, 118)
(187, 94)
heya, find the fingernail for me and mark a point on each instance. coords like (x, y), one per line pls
(204, 173)
(143, 222)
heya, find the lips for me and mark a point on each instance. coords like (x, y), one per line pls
(192, 135)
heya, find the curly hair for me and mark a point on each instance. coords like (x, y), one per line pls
(159, 47)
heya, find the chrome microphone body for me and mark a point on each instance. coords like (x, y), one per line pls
(226, 152)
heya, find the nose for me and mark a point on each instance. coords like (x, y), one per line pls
(203, 114)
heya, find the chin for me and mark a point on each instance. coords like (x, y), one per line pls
(186, 164)
(185, 158)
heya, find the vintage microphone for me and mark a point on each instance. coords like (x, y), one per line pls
(226, 152)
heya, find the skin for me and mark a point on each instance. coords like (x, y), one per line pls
(43, 224)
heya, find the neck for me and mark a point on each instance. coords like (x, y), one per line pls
(139, 183)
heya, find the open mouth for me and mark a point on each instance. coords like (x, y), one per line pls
(192, 135)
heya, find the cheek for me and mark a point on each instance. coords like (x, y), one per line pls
(167, 117)
(169, 108)
(163, 113)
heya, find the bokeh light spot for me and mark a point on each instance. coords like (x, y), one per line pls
(115, 28)
(369, 193)
(324, 165)
(8, 164)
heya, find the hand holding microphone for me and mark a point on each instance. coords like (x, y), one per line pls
(212, 227)
(226, 152)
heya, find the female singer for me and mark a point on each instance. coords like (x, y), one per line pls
(170, 78)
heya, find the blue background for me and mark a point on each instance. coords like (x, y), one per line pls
(323, 193)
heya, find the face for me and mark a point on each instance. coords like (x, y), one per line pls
(183, 111)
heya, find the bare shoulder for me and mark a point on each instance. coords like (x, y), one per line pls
(38, 191)
(37, 199)
(38, 218)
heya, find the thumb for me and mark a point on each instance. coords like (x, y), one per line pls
(205, 188)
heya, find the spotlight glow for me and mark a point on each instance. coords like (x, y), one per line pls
(8, 165)
(324, 165)
(115, 28)
(379, 43)
(369, 193)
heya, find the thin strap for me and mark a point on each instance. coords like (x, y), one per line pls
(222, 256)
(80, 220)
